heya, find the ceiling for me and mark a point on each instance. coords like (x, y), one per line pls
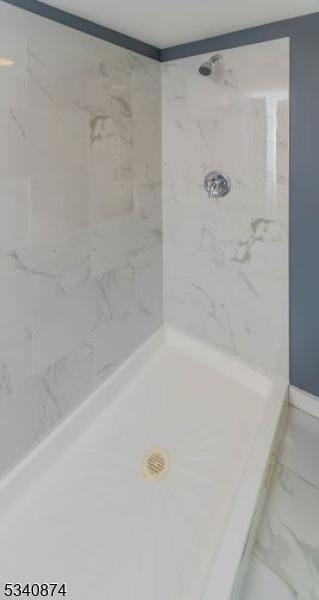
(165, 23)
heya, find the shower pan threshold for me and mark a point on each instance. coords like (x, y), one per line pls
(151, 489)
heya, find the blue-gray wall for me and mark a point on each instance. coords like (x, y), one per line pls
(304, 207)
(304, 161)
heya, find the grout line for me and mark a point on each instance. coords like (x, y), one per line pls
(303, 479)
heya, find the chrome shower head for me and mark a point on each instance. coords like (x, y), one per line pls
(206, 67)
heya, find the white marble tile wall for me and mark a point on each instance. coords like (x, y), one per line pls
(80, 219)
(286, 553)
(226, 260)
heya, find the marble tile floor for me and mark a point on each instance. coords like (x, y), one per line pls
(262, 583)
(285, 562)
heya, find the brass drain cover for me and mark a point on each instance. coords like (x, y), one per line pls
(156, 464)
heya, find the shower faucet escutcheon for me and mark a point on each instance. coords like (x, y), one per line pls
(217, 184)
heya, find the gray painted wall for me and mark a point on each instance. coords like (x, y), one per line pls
(304, 207)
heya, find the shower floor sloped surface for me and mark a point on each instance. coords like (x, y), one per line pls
(135, 508)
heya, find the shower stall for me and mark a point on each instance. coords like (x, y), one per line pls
(144, 312)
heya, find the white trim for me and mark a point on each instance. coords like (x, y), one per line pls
(304, 401)
(232, 366)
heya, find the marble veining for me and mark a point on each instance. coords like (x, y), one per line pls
(288, 538)
(300, 446)
(261, 583)
(81, 202)
(226, 260)
(80, 219)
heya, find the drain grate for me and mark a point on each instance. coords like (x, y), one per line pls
(156, 464)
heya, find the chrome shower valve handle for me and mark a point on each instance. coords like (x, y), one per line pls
(217, 184)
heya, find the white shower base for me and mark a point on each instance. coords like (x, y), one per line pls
(84, 509)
